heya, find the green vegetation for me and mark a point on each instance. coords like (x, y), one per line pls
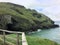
(1, 42)
(30, 39)
(11, 39)
(18, 18)
(39, 41)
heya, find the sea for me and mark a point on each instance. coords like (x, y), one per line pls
(51, 34)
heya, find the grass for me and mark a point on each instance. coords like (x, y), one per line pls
(1, 43)
(12, 38)
(30, 39)
(39, 41)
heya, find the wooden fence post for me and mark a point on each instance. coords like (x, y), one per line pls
(3, 37)
(17, 43)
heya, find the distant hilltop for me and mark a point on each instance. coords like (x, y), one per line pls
(17, 18)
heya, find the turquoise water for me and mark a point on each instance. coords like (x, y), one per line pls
(52, 34)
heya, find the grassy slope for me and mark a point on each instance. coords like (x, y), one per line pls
(40, 41)
(1, 42)
(31, 40)
(10, 39)
(26, 18)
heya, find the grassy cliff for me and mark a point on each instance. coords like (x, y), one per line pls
(17, 17)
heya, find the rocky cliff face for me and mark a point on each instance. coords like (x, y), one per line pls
(4, 20)
(18, 18)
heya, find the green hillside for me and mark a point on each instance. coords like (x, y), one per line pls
(17, 17)
(40, 41)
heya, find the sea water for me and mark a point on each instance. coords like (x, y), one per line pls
(52, 34)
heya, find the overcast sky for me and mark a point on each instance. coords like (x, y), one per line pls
(49, 7)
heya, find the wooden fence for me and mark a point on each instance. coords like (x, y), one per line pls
(24, 41)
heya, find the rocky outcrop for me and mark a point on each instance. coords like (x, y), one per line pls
(4, 20)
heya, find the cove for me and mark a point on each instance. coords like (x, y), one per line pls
(51, 34)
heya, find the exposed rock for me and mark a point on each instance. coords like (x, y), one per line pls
(4, 20)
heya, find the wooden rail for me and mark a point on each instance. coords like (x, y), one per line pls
(24, 41)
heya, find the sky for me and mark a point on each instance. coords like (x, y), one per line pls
(50, 8)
